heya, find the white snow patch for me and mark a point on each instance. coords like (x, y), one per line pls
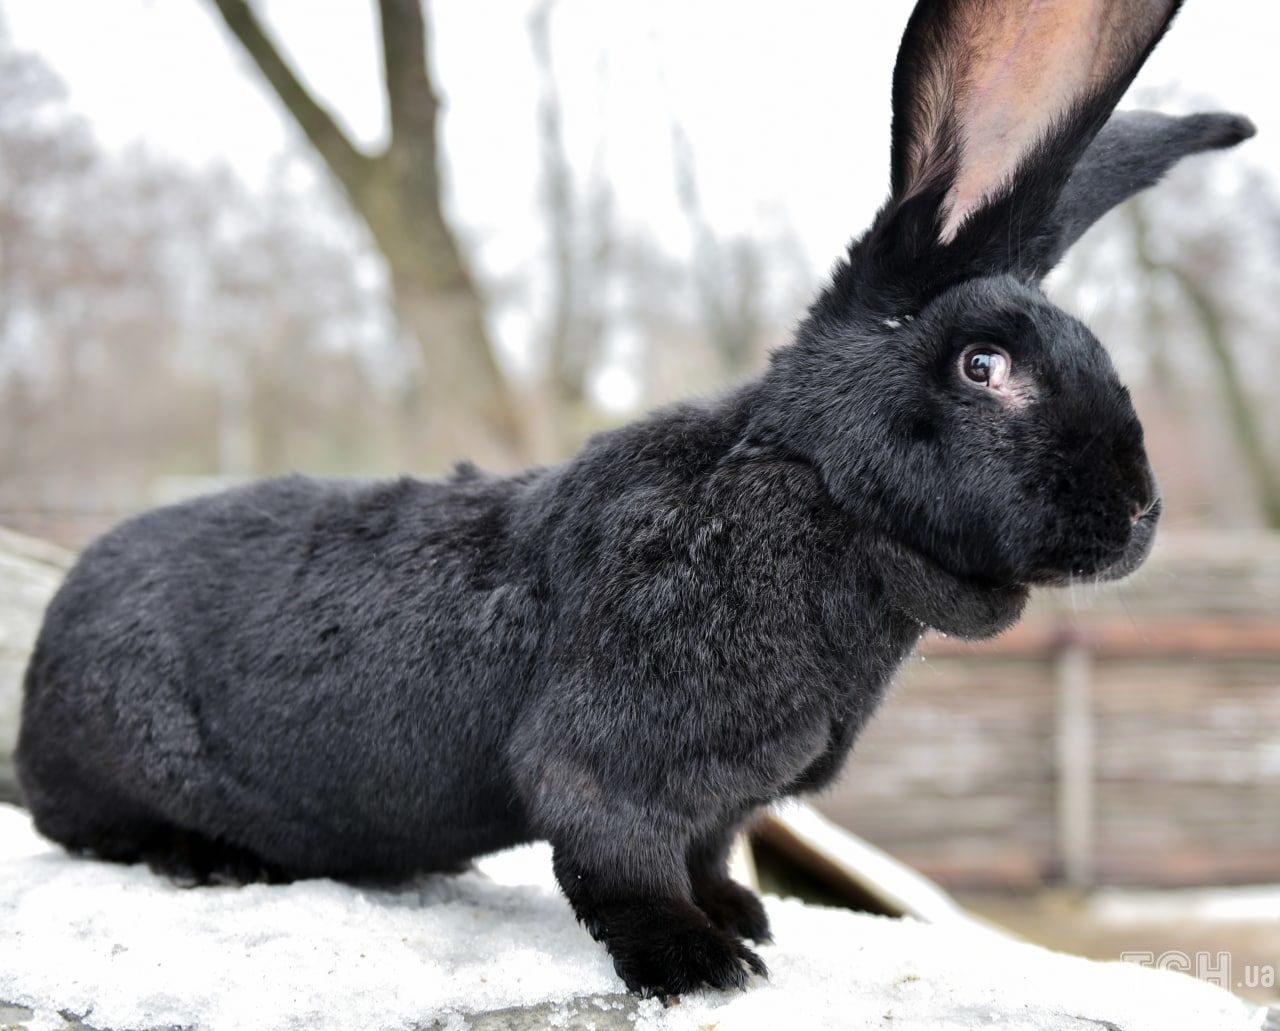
(1246, 904)
(123, 948)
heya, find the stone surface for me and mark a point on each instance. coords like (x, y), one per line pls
(497, 948)
(30, 572)
(13, 1017)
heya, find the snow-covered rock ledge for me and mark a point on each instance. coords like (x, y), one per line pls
(90, 944)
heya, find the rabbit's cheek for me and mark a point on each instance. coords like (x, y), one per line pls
(1081, 535)
(1018, 392)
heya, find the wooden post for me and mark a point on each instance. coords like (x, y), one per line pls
(1074, 740)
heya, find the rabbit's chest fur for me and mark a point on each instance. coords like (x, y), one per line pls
(733, 624)
(721, 631)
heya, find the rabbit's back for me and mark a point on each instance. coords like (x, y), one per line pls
(294, 668)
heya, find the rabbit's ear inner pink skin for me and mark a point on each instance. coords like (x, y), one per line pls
(989, 81)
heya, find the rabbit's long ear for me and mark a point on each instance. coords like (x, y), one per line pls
(1132, 152)
(994, 101)
(981, 84)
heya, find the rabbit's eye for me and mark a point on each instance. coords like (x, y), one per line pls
(986, 366)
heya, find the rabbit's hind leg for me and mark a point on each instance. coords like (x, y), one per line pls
(99, 822)
(193, 860)
(92, 822)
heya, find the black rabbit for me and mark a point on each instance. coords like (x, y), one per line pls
(629, 653)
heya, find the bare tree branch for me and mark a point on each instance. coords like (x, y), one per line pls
(398, 195)
(348, 164)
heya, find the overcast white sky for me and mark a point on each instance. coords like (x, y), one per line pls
(786, 103)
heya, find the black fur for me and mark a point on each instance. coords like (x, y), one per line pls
(629, 653)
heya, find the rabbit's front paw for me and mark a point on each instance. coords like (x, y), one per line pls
(734, 909)
(668, 950)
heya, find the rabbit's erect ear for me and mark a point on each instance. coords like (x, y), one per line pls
(980, 84)
(994, 101)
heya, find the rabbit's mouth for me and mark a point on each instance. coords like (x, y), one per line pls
(1140, 542)
(1134, 553)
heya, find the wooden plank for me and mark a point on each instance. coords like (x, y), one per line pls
(856, 869)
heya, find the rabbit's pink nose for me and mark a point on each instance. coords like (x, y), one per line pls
(1137, 510)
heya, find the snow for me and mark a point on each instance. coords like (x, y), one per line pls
(121, 948)
(1244, 904)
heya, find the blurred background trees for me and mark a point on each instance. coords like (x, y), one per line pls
(160, 321)
(154, 321)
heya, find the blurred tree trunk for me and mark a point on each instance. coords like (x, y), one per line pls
(398, 195)
(728, 277)
(1245, 419)
(565, 375)
(581, 244)
(1149, 269)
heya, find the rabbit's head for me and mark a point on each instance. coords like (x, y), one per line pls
(945, 402)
